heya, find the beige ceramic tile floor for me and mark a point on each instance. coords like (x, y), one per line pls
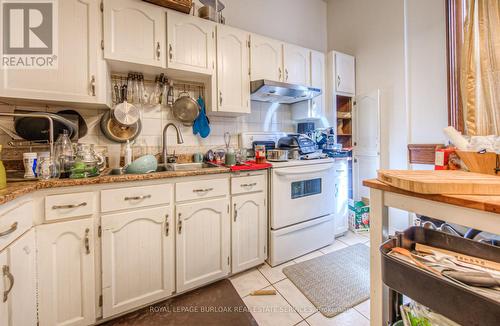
(290, 307)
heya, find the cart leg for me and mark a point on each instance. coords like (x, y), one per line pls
(379, 220)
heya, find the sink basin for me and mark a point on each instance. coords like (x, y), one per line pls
(188, 166)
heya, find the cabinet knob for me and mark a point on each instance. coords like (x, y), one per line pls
(235, 212)
(92, 85)
(167, 225)
(220, 98)
(286, 74)
(280, 74)
(338, 80)
(179, 223)
(170, 52)
(158, 50)
(8, 274)
(87, 242)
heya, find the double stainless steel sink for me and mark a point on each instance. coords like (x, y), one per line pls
(172, 167)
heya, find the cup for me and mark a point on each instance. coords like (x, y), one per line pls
(29, 160)
(197, 157)
(230, 159)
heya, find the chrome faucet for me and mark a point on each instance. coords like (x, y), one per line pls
(179, 140)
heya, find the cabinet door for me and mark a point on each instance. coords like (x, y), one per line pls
(345, 73)
(249, 231)
(318, 71)
(134, 32)
(202, 242)
(18, 263)
(233, 74)
(266, 58)
(366, 118)
(137, 258)
(364, 167)
(191, 43)
(80, 75)
(341, 213)
(297, 64)
(66, 273)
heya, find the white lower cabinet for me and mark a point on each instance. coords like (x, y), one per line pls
(18, 286)
(249, 231)
(341, 197)
(138, 265)
(202, 233)
(66, 273)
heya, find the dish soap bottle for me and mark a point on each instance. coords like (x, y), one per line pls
(128, 154)
(3, 175)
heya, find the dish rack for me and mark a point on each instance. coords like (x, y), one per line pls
(453, 301)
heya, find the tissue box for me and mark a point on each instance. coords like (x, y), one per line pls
(359, 215)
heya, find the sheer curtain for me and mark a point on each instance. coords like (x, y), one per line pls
(480, 69)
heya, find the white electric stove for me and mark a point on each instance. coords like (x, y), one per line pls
(301, 203)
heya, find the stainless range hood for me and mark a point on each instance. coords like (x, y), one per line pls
(264, 90)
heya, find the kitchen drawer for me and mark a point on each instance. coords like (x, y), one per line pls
(14, 223)
(201, 189)
(242, 185)
(135, 197)
(65, 206)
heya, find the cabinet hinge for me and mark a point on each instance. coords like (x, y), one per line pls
(100, 300)
(101, 6)
(99, 231)
(354, 103)
(102, 44)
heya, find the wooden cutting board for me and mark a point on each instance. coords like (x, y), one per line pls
(442, 182)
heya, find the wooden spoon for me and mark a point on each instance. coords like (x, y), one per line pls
(407, 253)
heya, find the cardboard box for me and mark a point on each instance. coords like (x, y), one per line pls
(359, 216)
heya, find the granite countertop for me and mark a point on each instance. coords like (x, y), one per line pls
(18, 189)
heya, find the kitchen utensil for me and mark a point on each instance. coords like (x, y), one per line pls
(186, 109)
(82, 124)
(441, 182)
(170, 94)
(117, 132)
(142, 165)
(154, 98)
(227, 140)
(36, 129)
(277, 155)
(480, 279)
(126, 114)
(408, 254)
(164, 94)
(179, 5)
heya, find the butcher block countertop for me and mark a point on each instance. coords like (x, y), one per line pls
(18, 189)
(483, 203)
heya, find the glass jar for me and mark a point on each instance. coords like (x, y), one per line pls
(86, 163)
(260, 154)
(46, 167)
(64, 154)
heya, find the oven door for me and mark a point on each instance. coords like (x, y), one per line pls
(301, 193)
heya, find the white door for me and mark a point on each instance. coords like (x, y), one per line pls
(233, 70)
(66, 273)
(137, 258)
(191, 43)
(249, 231)
(341, 195)
(134, 32)
(366, 141)
(17, 268)
(296, 61)
(202, 242)
(80, 75)
(345, 73)
(318, 80)
(266, 58)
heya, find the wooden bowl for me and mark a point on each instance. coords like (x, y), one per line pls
(486, 163)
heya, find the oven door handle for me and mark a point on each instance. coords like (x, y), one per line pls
(303, 170)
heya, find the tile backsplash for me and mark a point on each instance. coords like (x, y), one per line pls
(263, 117)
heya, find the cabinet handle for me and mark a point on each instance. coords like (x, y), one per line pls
(220, 98)
(248, 184)
(12, 228)
(235, 212)
(7, 273)
(92, 85)
(170, 52)
(137, 197)
(338, 80)
(167, 225)
(286, 74)
(69, 206)
(336, 190)
(179, 223)
(202, 190)
(87, 242)
(280, 74)
(158, 51)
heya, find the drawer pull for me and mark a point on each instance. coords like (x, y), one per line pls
(6, 273)
(167, 225)
(158, 51)
(235, 212)
(87, 242)
(203, 190)
(69, 206)
(180, 224)
(248, 184)
(12, 228)
(137, 197)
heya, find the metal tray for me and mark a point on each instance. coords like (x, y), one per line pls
(451, 300)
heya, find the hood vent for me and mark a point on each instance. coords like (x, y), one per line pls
(277, 92)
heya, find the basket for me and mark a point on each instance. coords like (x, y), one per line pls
(486, 163)
(178, 5)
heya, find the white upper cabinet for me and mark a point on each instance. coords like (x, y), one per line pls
(249, 231)
(296, 62)
(266, 58)
(80, 76)
(345, 74)
(17, 265)
(318, 80)
(233, 70)
(202, 242)
(66, 273)
(137, 258)
(134, 32)
(191, 43)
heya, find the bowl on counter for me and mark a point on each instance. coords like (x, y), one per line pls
(142, 165)
(277, 155)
